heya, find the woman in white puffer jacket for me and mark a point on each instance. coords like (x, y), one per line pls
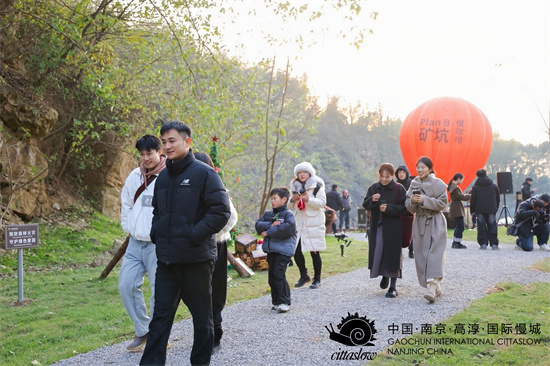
(308, 204)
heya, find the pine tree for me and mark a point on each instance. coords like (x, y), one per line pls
(214, 155)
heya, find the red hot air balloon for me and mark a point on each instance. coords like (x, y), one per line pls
(452, 132)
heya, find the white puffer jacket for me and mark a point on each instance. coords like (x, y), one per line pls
(310, 223)
(225, 235)
(136, 218)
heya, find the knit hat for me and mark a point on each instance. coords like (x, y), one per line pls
(304, 167)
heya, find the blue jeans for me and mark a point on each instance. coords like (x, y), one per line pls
(487, 229)
(140, 258)
(541, 231)
(344, 218)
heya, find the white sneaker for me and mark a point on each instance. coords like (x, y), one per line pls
(283, 308)
(544, 247)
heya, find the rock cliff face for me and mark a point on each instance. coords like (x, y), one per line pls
(104, 185)
(25, 171)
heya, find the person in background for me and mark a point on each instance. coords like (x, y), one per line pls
(526, 191)
(219, 276)
(190, 205)
(135, 217)
(334, 202)
(532, 216)
(344, 214)
(404, 178)
(484, 202)
(385, 200)
(427, 198)
(456, 211)
(278, 230)
(308, 203)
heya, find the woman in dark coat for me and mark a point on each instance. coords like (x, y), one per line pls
(456, 211)
(386, 201)
(404, 178)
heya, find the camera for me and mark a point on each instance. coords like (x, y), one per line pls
(346, 240)
(416, 191)
(302, 191)
(541, 217)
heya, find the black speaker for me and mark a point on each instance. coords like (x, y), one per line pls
(504, 182)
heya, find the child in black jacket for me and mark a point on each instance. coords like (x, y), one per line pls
(278, 228)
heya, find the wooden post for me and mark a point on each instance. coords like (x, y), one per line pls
(120, 252)
(242, 269)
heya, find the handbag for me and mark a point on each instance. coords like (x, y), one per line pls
(513, 229)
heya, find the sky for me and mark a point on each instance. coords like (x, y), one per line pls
(495, 54)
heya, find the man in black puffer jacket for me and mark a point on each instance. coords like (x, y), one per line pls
(484, 201)
(190, 205)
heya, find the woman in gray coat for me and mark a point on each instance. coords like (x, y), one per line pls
(427, 198)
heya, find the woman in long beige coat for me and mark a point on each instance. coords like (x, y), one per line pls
(308, 202)
(427, 198)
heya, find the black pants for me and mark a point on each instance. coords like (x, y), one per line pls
(219, 289)
(301, 262)
(280, 291)
(459, 227)
(190, 282)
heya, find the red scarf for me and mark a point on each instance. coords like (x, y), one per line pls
(301, 205)
(159, 168)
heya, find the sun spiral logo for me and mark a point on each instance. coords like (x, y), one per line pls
(354, 331)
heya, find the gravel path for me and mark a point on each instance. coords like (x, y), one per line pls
(256, 335)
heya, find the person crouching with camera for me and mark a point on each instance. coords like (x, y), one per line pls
(533, 216)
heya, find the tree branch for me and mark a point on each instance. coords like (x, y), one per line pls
(179, 43)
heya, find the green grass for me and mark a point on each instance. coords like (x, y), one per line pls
(66, 246)
(510, 304)
(471, 235)
(67, 311)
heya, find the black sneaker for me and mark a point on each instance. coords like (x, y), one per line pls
(391, 293)
(384, 282)
(411, 255)
(315, 284)
(302, 281)
(457, 245)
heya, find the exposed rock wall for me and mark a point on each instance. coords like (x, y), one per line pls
(24, 169)
(104, 185)
(23, 166)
